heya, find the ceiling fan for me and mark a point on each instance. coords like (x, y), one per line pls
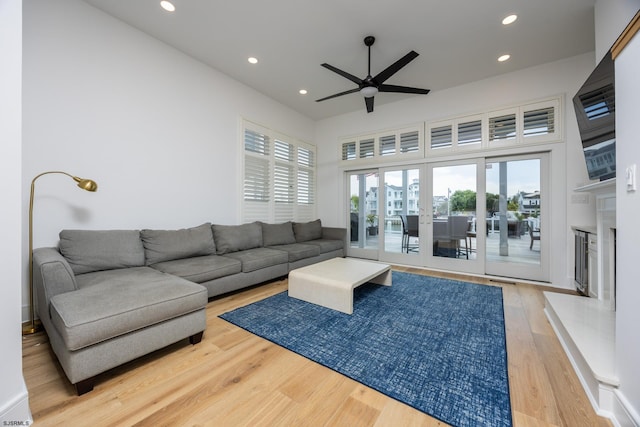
(369, 86)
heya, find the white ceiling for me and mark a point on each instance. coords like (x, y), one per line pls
(459, 41)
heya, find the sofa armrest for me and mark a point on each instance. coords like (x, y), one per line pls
(336, 233)
(52, 275)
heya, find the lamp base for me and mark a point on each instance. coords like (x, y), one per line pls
(28, 328)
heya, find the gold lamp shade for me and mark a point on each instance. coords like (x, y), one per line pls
(85, 184)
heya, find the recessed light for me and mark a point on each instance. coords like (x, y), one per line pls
(504, 58)
(168, 6)
(302, 91)
(252, 60)
(509, 19)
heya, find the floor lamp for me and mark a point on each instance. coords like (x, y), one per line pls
(85, 184)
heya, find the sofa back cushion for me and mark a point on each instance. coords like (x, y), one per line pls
(167, 245)
(306, 231)
(234, 238)
(95, 250)
(277, 234)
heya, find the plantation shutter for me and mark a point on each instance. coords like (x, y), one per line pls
(387, 145)
(349, 150)
(410, 142)
(470, 132)
(283, 181)
(306, 185)
(502, 127)
(257, 176)
(366, 148)
(539, 122)
(441, 137)
(279, 177)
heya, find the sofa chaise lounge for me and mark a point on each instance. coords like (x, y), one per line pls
(106, 297)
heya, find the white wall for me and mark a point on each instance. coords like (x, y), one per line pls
(627, 67)
(157, 130)
(567, 163)
(611, 17)
(14, 404)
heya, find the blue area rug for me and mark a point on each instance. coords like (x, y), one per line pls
(435, 344)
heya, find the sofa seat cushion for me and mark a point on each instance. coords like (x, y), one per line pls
(200, 269)
(298, 251)
(326, 245)
(255, 259)
(115, 302)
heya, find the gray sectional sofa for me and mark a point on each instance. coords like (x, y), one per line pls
(106, 297)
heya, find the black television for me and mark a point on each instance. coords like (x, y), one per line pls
(595, 109)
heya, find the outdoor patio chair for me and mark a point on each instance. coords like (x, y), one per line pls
(459, 225)
(534, 234)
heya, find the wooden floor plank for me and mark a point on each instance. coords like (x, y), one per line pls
(233, 378)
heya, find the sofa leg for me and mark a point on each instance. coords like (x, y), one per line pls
(195, 339)
(84, 386)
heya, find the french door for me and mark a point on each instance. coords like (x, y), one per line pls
(480, 216)
(363, 217)
(517, 243)
(454, 236)
(402, 214)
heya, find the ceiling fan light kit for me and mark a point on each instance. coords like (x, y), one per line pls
(370, 86)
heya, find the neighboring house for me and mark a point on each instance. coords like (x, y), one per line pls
(529, 203)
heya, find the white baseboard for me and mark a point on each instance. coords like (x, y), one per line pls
(16, 411)
(624, 415)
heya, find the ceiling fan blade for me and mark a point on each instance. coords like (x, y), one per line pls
(369, 103)
(393, 68)
(346, 92)
(402, 89)
(351, 77)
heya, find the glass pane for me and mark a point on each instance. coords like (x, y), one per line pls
(454, 211)
(402, 208)
(513, 212)
(363, 224)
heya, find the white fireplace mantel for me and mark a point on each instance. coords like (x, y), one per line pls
(586, 326)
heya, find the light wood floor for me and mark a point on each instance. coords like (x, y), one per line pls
(233, 378)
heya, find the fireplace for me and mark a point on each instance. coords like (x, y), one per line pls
(596, 247)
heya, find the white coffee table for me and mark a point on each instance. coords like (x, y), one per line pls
(331, 283)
